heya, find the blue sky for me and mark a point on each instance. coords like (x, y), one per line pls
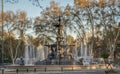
(32, 10)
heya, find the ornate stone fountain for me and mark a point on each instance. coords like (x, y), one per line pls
(59, 54)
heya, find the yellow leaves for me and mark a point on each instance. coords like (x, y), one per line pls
(91, 3)
(112, 1)
(70, 40)
(53, 5)
(67, 13)
(101, 2)
(98, 43)
(12, 17)
(14, 21)
(55, 9)
(9, 16)
(12, 35)
(77, 2)
(82, 3)
(56, 12)
(85, 3)
(22, 16)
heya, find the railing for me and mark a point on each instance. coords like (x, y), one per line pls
(61, 66)
(55, 68)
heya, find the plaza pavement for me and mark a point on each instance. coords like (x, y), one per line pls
(64, 72)
(97, 71)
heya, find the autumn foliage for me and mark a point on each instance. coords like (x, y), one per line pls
(85, 3)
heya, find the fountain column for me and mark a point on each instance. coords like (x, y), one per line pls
(59, 40)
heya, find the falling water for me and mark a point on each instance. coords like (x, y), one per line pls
(85, 53)
(30, 55)
(33, 54)
(26, 55)
(75, 53)
(40, 53)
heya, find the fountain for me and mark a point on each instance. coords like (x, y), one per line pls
(30, 55)
(60, 53)
(33, 54)
(85, 54)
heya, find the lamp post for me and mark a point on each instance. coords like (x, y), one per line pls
(2, 58)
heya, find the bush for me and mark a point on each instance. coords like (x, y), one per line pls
(105, 55)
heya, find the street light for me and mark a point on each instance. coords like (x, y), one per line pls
(2, 15)
(2, 33)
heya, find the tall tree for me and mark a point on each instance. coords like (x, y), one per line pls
(16, 23)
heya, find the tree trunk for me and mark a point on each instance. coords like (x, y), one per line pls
(13, 61)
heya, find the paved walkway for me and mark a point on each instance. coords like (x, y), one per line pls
(63, 72)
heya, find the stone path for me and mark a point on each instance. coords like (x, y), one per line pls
(59, 72)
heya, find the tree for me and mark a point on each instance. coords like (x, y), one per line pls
(100, 13)
(14, 24)
(45, 24)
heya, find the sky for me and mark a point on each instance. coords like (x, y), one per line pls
(31, 10)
